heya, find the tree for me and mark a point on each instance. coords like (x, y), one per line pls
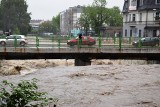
(14, 15)
(46, 27)
(25, 94)
(56, 24)
(16, 31)
(115, 18)
(98, 14)
(84, 20)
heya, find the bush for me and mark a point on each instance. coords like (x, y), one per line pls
(24, 94)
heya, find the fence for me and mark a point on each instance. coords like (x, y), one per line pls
(61, 41)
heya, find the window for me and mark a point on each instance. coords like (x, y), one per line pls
(157, 17)
(130, 33)
(10, 37)
(141, 2)
(140, 17)
(18, 37)
(126, 18)
(125, 32)
(157, 1)
(140, 32)
(129, 17)
(134, 17)
(133, 2)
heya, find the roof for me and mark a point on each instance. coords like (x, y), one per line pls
(147, 5)
(36, 21)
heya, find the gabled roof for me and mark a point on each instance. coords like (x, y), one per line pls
(147, 5)
(125, 6)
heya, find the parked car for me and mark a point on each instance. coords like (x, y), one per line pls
(12, 39)
(147, 41)
(85, 40)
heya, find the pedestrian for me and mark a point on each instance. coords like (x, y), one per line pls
(80, 36)
(80, 39)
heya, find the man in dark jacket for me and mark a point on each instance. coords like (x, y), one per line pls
(80, 36)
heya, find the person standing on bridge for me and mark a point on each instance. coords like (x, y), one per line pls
(80, 38)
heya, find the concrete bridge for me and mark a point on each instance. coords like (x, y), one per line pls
(82, 56)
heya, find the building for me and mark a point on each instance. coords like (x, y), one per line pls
(35, 24)
(69, 20)
(141, 18)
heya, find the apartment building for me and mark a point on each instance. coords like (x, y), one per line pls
(141, 18)
(69, 20)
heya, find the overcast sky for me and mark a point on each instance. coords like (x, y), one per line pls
(46, 9)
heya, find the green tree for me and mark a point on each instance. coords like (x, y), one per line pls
(84, 20)
(56, 24)
(14, 15)
(16, 31)
(98, 14)
(24, 94)
(115, 18)
(46, 27)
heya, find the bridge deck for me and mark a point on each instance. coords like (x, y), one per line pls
(72, 53)
(77, 50)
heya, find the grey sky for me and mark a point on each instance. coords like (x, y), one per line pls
(46, 9)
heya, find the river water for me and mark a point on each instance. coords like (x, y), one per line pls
(105, 83)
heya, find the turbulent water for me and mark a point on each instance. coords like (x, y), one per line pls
(13, 67)
(105, 83)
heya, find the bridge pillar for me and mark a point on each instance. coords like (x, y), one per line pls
(82, 62)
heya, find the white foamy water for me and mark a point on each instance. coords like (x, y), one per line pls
(13, 67)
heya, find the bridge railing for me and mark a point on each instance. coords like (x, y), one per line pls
(61, 42)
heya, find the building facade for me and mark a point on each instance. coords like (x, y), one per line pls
(141, 18)
(69, 20)
(35, 24)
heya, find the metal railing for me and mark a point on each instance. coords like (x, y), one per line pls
(61, 42)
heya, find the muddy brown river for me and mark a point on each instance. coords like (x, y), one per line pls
(103, 84)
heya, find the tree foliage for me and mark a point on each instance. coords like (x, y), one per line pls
(56, 24)
(115, 18)
(50, 26)
(46, 27)
(13, 15)
(84, 20)
(98, 14)
(24, 94)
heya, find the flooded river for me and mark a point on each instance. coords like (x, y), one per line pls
(103, 84)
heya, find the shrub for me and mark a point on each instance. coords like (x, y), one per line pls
(24, 94)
